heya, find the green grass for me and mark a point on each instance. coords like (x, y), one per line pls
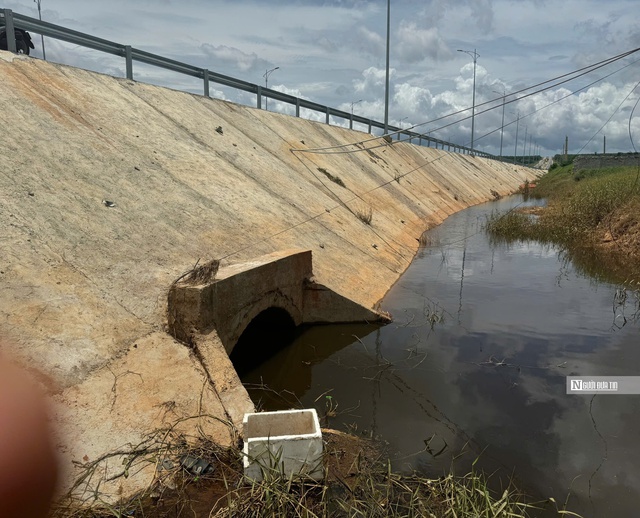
(581, 209)
(379, 492)
(364, 486)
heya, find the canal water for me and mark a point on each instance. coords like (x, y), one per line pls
(474, 365)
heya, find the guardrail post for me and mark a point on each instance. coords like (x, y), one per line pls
(205, 77)
(129, 57)
(208, 77)
(10, 30)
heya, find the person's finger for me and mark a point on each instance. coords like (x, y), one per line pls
(28, 466)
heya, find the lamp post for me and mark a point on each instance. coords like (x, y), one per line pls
(386, 88)
(475, 56)
(352, 105)
(504, 93)
(44, 55)
(515, 148)
(266, 85)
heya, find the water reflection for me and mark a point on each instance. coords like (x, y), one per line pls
(476, 359)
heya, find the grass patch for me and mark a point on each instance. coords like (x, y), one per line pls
(200, 274)
(364, 214)
(334, 179)
(358, 481)
(593, 218)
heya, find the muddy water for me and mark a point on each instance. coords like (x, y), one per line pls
(475, 361)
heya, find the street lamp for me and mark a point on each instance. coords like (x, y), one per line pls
(266, 85)
(352, 105)
(475, 56)
(504, 93)
(44, 56)
(386, 88)
(515, 149)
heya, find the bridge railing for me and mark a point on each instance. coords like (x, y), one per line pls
(11, 20)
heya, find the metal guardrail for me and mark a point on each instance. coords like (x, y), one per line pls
(12, 20)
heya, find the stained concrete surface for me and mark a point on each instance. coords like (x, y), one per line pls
(84, 285)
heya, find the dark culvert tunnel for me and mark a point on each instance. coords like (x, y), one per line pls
(269, 332)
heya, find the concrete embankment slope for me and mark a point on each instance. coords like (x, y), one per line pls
(84, 285)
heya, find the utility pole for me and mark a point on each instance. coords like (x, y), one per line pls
(524, 145)
(475, 56)
(386, 89)
(566, 148)
(504, 93)
(604, 147)
(515, 149)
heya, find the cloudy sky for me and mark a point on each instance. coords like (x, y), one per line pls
(333, 52)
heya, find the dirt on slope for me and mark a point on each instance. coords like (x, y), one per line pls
(111, 189)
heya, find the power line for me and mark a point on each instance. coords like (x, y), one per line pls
(565, 97)
(609, 119)
(576, 73)
(344, 205)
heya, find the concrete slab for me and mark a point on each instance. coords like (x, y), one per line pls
(83, 281)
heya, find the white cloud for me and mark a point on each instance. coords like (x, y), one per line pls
(232, 56)
(372, 80)
(414, 44)
(334, 53)
(371, 42)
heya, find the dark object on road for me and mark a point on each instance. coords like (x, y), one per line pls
(23, 40)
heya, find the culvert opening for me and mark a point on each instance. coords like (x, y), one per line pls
(266, 334)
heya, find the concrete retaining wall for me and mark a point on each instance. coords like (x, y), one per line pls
(587, 162)
(111, 189)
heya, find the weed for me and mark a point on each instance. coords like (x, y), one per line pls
(364, 214)
(595, 222)
(434, 315)
(334, 179)
(357, 482)
(202, 274)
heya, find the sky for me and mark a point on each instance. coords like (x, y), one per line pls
(334, 52)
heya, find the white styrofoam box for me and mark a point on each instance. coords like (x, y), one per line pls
(289, 441)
